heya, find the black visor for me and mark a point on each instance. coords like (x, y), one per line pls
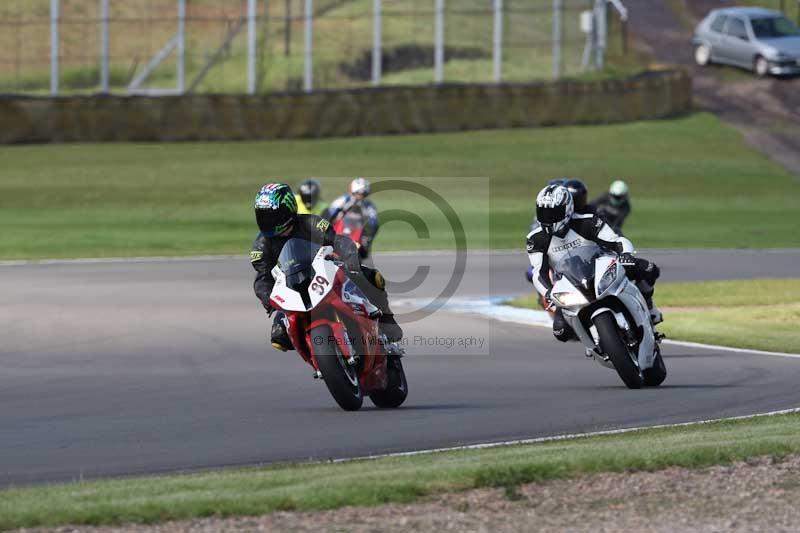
(309, 197)
(551, 215)
(273, 222)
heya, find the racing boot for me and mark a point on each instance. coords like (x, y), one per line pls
(561, 330)
(387, 325)
(647, 291)
(279, 336)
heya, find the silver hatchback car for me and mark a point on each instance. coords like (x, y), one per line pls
(760, 40)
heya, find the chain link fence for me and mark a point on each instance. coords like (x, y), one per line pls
(262, 46)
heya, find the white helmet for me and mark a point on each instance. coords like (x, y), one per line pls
(554, 208)
(618, 192)
(359, 186)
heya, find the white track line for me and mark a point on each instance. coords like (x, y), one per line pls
(557, 438)
(492, 308)
(729, 349)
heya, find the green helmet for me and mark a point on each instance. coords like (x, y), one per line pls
(276, 209)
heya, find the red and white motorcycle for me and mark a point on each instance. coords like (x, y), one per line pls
(351, 224)
(334, 327)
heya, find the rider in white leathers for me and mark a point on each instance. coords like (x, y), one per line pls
(560, 230)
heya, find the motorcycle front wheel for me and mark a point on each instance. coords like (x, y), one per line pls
(655, 376)
(340, 377)
(396, 389)
(612, 345)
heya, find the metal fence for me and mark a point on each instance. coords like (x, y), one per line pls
(259, 46)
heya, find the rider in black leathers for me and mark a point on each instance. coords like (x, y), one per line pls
(277, 218)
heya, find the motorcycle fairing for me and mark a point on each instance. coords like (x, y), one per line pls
(290, 300)
(338, 309)
(628, 298)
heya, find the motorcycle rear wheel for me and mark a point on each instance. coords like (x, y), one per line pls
(340, 378)
(396, 389)
(612, 345)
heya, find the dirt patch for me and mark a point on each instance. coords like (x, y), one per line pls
(405, 57)
(766, 111)
(759, 495)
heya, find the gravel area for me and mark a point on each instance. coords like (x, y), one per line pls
(759, 495)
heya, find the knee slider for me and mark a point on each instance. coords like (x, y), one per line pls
(561, 334)
(379, 281)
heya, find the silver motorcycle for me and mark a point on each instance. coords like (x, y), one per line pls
(609, 315)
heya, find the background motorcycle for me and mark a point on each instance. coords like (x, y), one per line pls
(609, 315)
(351, 225)
(334, 327)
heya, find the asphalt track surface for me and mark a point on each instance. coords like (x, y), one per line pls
(128, 367)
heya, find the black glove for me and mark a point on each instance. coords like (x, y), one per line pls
(353, 264)
(348, 253)
(627, 259)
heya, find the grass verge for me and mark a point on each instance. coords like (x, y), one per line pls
(689, 177)
(755, 314)
(308, 487)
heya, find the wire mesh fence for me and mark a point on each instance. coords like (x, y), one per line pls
(261, 46)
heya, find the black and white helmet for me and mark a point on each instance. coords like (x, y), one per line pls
(309, 192)
(554, 208)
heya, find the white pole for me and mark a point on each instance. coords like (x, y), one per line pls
(104, 44)
(54, 15)
(498, 41)
(308, 74)
(376, 42)
(438, 55)
(251, 46)
(181, 46)
(601, 32)
(558, 38)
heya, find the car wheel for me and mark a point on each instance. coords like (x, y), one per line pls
(761, 66)
(702, 55)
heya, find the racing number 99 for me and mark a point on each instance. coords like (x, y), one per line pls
(319, 284)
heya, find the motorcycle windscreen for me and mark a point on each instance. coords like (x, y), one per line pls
(296, 262)
(577, 265)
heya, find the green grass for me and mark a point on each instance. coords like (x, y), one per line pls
(729, 294)
(756, 314)
(760, 314)
(693, 183)
(309, 487)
